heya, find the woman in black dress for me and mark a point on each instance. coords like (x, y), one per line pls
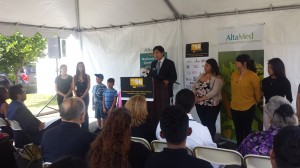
(81, 87)
(276, 84)
(63, 84)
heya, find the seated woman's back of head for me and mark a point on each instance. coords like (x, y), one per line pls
(286, 148)
(111, 147)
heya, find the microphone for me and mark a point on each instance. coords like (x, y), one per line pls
(152, 72)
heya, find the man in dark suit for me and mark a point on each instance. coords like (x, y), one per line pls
(67, 139)
(163, 68)
(32, 128)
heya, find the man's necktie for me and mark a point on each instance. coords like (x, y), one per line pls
(158, 67)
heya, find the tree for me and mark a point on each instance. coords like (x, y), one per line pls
(17, 51)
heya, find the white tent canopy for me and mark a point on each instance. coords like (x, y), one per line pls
(78, 15)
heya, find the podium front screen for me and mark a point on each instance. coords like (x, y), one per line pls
(131, 86)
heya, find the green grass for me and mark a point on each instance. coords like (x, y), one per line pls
(36, 102)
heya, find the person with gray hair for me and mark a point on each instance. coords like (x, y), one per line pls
(67, 139)
(274, 103)
(280, 114)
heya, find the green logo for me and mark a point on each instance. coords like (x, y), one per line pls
(234, 37)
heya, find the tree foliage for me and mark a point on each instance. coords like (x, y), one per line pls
(17, 51)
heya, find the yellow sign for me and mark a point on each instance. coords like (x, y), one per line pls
(134, 82)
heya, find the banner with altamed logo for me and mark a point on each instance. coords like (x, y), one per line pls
(234, 41)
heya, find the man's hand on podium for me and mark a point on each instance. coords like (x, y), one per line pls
(166, 82)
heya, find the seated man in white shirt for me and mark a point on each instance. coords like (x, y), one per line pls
(200, 136)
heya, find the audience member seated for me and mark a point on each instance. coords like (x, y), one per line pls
(200, 136)
(3, 111)
(260, 143)
(114, 148)
(31, 126)
(286, 148)
(3, 104)
(69, 162)
(7, 158)
(67, 138)
(175, 128)
(141, 126)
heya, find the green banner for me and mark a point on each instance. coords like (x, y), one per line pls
(145, 62)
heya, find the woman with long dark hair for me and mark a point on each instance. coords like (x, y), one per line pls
(114, 148)
(3, 111)
(207, 89)
(245, 94)
(81, 87)
(276, 84)
(63, 84)
(3, 104)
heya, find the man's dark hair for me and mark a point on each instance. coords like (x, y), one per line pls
(111, 80)
(14, 91)
(174, 123)
(159, 48)
(71, 108)
(186, 99)
(286, 147)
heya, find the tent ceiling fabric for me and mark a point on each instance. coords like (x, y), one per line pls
(196, 7)
(109, 13)
(116, 12)
(51, 13)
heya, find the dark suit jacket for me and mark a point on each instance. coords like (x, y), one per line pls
(64, 140)
(166, 72)
(146, 130)
(175, 158)
(28, 122)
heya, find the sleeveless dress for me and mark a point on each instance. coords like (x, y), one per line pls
(80, 87)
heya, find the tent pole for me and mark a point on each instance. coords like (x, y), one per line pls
(172, 8)
(200, 16)
(78, 26)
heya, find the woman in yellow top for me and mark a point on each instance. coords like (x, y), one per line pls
(245, 93)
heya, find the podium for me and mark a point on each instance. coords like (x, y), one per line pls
(156, 93)
(161, 96)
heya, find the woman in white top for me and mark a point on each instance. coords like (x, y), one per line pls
(207, 89)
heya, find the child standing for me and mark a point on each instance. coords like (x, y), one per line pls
(98, 90)
(109, 97)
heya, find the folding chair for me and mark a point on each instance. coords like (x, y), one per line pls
(158, 146)
(46, 164)
(30, 151)
(254, 161)
(142, 141)
(15, 126)
(219, 156)
(2, 123)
